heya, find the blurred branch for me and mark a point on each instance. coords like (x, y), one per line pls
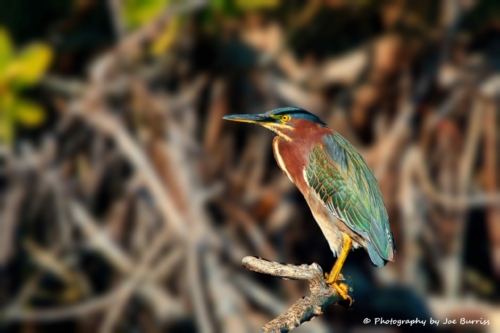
(99, 303)
(115, 8)
(165, 203)
(9, 216)
(48, 261)
(162, 302)
(446, 200)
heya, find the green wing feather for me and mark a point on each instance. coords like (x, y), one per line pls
(340, 177)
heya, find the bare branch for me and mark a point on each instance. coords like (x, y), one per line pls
(306, 308)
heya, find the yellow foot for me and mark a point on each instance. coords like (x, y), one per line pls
(342, 288)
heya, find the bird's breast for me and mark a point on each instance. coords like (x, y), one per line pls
(291, 160)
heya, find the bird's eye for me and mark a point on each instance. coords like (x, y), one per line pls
(285, 118)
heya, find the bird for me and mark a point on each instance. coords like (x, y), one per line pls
(340, 189)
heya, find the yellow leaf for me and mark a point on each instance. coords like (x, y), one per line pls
(6, 121)
(29, 65)
(28, 114)
(6, 131)
(167, 37)
(5, 51)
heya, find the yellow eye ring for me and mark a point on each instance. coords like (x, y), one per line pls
(285, 118)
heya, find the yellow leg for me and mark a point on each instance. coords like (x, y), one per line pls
(346, 247)
(331, 278)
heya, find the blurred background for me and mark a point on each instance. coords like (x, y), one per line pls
(127, 203)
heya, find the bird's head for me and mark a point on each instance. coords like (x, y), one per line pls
(283, 121)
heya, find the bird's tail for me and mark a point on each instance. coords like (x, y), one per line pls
(377, 260)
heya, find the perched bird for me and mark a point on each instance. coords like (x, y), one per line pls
(339, 187)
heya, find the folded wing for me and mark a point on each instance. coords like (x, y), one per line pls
(342, 180)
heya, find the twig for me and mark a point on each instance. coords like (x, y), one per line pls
(115, 7)
(193, 270)
(305, 309)
(79, 310)
(9, 217)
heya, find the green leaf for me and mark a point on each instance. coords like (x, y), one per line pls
(138, 12)
(28, 114)
(6, 121)
(219, 5)
(5, 51)
(30, 65)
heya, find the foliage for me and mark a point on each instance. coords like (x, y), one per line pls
(18, 71)
(137, 13)
(257, 4)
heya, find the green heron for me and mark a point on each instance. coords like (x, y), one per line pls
(339, 187)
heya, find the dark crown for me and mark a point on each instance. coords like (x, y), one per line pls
(296, 113)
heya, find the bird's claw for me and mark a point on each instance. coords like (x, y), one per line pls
(342, 289)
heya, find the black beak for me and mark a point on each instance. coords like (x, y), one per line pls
(248, 118)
